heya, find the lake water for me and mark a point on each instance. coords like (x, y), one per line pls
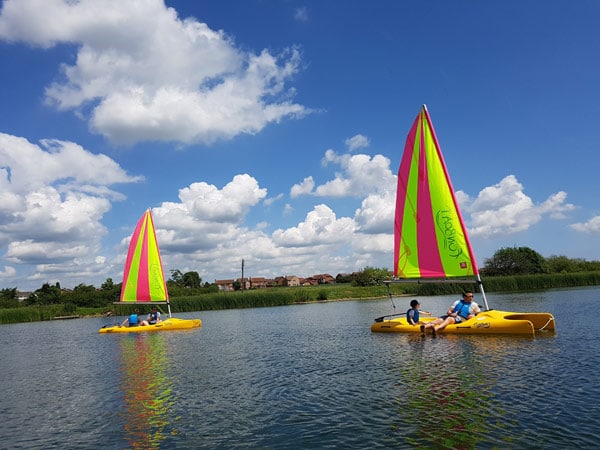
(305, 377)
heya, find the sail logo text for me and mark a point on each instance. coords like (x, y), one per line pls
(445, 223)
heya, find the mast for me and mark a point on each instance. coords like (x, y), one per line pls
(431, 242)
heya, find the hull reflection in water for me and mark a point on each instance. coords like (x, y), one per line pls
(445, 396)
(451, 391)
(147, 391)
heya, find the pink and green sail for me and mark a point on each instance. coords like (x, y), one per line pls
(143, 276)
(430, 238)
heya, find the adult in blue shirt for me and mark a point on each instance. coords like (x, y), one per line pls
(153, 317)
(461, 310)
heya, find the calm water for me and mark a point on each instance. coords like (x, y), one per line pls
(306, 376)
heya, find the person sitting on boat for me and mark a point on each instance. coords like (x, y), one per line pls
(460, 311)
(133, 319)
(153, 317)
(412, 315)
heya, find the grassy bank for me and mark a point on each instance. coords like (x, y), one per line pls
(291, 295)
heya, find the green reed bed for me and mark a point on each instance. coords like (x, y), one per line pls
(541, 281)
(277, 297)
(30, 313)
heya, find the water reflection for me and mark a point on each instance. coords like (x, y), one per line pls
(147, 390)
(462, 392)
(447, 397)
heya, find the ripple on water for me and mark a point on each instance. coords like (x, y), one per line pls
(310, 376)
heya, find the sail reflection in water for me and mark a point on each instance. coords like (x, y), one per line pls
(147, 391)
(450, 391)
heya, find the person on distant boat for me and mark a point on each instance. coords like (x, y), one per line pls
(412, 315)
(132, 320)
(460, 311)
(153, 317)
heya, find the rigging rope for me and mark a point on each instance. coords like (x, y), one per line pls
(551, 319)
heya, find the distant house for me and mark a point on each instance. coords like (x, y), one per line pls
(224, 285)
(304, 281)
(22, 296)
(262, 282)
(259, 282)
(279, 281)
(324, 278)
(292, 281)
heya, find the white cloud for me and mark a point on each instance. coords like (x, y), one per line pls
(320, 227)
(65, 165)
(207, 217)
(376, 214)
(356, 142)
(8, 272)
(52, 200)
(148, 75)
(271, 200)
(592, 226)
(360, 175)
(505, 209)
(230, 204)
(303, 188)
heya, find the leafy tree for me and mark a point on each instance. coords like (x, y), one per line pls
(8, 298)
(343, 278)
(370, 276)
(562, 264)
(108, 285)
(46, 295)
(8, 294)
(109, 291)
(515, 261)
(84, 295)
(177, 278)
(192, 280)
(180, 283)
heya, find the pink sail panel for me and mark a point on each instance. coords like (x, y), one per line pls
(143, 276)
(430, 238)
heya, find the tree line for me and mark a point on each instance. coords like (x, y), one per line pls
(508, 261)
(88, 296)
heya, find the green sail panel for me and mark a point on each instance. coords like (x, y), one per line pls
(430, 238)
(143, 275)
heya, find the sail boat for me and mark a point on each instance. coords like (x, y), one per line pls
(144, 280)
(431, 242)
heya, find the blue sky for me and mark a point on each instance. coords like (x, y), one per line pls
(272, 130)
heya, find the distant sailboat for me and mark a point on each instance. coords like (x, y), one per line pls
(143, 275)
(431, 243)
(144, 280)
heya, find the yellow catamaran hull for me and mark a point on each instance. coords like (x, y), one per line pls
(486, 322)
(165, 325)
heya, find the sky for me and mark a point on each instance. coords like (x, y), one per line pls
(272, 130)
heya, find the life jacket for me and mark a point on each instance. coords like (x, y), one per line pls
(153, 316)
(459, 308)
(415, 315)
(133, 319)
